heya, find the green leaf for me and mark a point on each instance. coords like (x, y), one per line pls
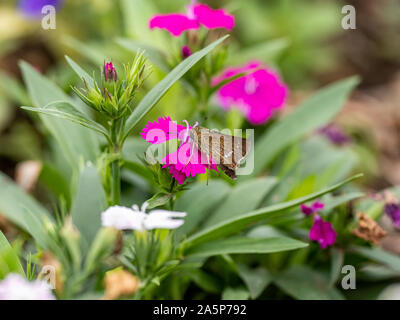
(55, 182)
(312, 114)
(64, 110)
(80, 72)
(13, 89)
(337, 259)
(243, 198)
(159, 199)
(9, 261)
(235, 294)
(197, 202)
(203, 280)
(303, 283)
(238, 223)
(379, 255)
(23, 210)
(149, 101)
(101, 247)
(245, 245)
(89, 203)
(256, 280)
(76, 142)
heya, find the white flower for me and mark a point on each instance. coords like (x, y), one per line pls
(16, 287)
(123, 218)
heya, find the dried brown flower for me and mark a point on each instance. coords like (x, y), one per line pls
(368, 229)
(119, 283)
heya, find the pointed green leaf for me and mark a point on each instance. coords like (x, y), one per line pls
(245, 245)
(9, 261)
(90, 202)
(303, 283)
(243, 198)
(149, 101)
(236, 224)
(256, 280)
(76, 141)
(312, 114)
(80, 72)
(64, 110)
(23, 210)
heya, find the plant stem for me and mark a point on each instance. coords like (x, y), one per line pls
(115, 179)
(115, 183)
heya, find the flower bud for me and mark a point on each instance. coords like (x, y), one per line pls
(186, 52)
(110, 74)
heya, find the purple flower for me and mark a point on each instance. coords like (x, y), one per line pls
(393, 211)
(335, 135)
(33, 8)
(15, 287)
(313, 208)
(110, 74)
(322, 232)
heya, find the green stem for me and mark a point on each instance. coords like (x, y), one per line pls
(115, 183)
(115, 179)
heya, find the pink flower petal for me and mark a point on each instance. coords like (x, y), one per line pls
(212, 19)
(322, 232)
(162, 130)
(233, 71)
(313, 208)
(258, 94)
(182, 163)
(175, 23)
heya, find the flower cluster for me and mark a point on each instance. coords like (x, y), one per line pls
(187, 160)
(257, 94)
(197, 15)
(15, 287)
(123, 218)
(321, 231)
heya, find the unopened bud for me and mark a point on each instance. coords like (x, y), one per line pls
(110, 74)
(186, 52)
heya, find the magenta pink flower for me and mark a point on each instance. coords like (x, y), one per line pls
(187, 160)
(322, 232)
(196, 15)
(186, 52)
(175, 23)
(258, 94)
(110, 74)
(313, 208)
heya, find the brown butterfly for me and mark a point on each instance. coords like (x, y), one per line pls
(227, 151)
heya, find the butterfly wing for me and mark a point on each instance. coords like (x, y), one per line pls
(225, 150)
